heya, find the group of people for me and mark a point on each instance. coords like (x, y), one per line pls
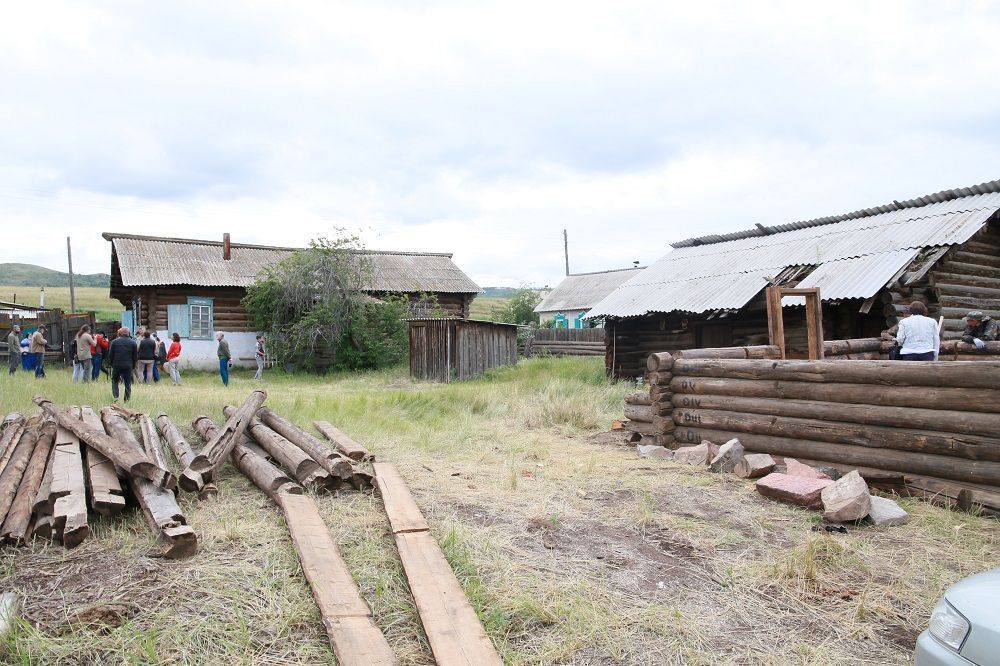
(919, 338)
(140, 358)
(35, 346)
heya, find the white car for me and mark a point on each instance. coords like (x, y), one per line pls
(965, 625)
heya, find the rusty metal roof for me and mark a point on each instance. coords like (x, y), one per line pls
(149, 260)
(582, 291)
(863, 253)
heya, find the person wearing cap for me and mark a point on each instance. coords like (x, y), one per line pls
(37, 348)
(14, 348)
(918, 335)
(980, 329)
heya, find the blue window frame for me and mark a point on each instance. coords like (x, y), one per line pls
(201, 320)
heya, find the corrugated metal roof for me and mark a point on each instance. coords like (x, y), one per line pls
(583, 291)
(846, 278)
(726, 275)
(146, 260)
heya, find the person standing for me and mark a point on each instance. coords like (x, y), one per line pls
(225, 358)
(84, 343)
(37, 349)
(97, 352)
(259, 355)
(173, 359)
(139, 333)
(918, 335)
(14, 349)
(123, 356)
(161, 357)
(147, 357)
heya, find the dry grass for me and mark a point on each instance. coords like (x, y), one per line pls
(87, 298)
(572, 550)
(486, 307)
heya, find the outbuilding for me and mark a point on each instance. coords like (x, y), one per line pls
(568, 304)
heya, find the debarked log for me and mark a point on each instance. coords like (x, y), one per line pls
(190, 480)
(912, 418)
(17, 526)
(927, 397)
(946, 467)
(876, 373)
(263, 474)
(218, 448)
(638, 398)
(638, 412)
(305, 470)
(332, 461)
(10, 478)
(159, 505)
(343, 442)
(131, 459)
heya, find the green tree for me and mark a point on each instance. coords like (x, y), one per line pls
(520, 309)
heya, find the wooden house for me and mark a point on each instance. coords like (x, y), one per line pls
(572, 298)
(194, 287)
(943, 248)
(444, 349)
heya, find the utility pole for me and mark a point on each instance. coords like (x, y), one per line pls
(72, 290)
(566, 250)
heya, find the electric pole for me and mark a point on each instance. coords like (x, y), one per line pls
(566, 250)
(72, 290)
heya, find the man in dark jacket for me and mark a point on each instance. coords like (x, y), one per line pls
(123, 354)
(147, 357)
(980, 329)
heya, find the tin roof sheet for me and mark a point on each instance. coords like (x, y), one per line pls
(726, 275)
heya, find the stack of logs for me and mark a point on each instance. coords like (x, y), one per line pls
(62, 464)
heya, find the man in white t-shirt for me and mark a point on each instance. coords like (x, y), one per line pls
(918, 335)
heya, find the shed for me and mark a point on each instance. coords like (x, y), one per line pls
(195, 287)
(707, 291)
(446, 349)
(572, 298)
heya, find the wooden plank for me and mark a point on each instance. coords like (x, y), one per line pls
(159, 505)
(106, 495)
(344, 444)
(355, 638)
(404, 514)
(453, 629)
(132, 460)
(68, 491)
(17, 525)
(217, 450)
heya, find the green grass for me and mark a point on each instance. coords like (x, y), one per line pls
(560, 543)
(87, 298)
(486, 307)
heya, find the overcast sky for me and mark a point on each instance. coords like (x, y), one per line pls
(481, 128)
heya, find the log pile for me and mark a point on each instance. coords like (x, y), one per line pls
(937, 424)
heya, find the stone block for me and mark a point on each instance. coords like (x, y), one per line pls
(846, 499)
(884, 512)
(798, 490)
(730, 454)
(754, 465)
(794, 468)
(654, 451)
(693, 455)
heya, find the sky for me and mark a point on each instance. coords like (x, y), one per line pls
(481, 128)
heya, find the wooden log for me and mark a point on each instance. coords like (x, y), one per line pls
(978, 259)
(10, 478)
(973, 269)
(217, 450)
(878, 373)
(943, 398)
(948, 421)
(305, 470)
(17, 525)
(948, 288)
(189, 479)
(13, 427)
(841, 347)
(641, 427)
(782, 443)
(638, 412)
(103, 485)
(133, 461)
(353, 634)
(660, 361)
(41, 507)
(159, 505)
(453, 629)
(68, 490)
(151, 443)
(263, 474)
(663, 425)
(344, 444)
(659, 378)
(332, 461)
(638, 398)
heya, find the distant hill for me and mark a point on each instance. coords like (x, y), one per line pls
(503, 292)
(29, 275)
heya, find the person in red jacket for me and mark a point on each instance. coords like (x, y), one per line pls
(173, 359)
(97, 352)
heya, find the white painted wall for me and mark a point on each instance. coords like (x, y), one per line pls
(201, 354)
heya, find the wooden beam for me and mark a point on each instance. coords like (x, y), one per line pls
(189, 480)
(344, 444)
(217, 451)
(332, 461)
(68, 491)
(453, 629)
(17, 525)
(106, 495)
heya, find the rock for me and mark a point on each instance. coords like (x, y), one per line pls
(693, 455)
(730, 454)
(846, 499)
(654, 451)
(830, 472)
(798, 490)
(713, 450)
(754, 465)
(884, 512)
(794, 468)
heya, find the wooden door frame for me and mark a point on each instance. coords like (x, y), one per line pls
(814, 318)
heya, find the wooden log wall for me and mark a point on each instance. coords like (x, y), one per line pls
(566, 342)
(936, 423)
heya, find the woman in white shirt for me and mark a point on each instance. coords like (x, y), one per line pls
(918, 335)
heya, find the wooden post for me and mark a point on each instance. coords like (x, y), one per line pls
(329, 459)
(221, 445)
(72, 289)
(17, 526)
(189, 480)
(306, 470)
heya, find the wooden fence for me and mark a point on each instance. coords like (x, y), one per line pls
(931, 428)
(566, 341)
(450, 349)
(60, 329)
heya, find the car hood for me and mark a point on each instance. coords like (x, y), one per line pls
(978, 599)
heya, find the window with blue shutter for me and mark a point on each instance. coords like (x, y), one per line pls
(128, 320)
(201, 318)
(179, 320)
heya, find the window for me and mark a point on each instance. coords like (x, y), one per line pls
(201, 318)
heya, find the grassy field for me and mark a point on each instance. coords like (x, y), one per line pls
(571, 548)
(483, 307)
(87, 298)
